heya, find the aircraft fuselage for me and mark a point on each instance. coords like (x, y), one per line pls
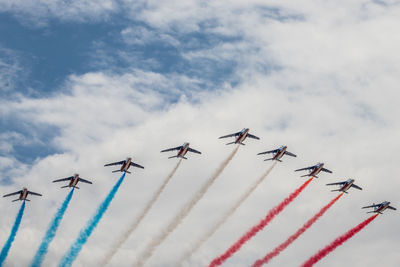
(74, 181)
(347, 185)
(125, 166)
(182, 152)
(280, 153)
(317, 169)
(24, 194)
(242, 136)
(382, 208)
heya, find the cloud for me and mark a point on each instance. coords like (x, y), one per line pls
(317, 76)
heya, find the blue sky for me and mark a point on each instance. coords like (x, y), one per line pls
(85, 83)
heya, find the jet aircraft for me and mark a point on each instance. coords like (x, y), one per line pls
(379, 208)
(314, 170)
(182, 150)
(23, 194)
(346, 185)
(73, 181)
(125, 165)
(278, 153)
(240, 136)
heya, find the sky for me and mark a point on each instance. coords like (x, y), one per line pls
(84, 83)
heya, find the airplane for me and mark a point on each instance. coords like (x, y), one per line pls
(344, 186)
(183, 149)
(279, 152)
(314, 170)
(240, 136)
(73, 181)
(23, 194)
(379, 208)
(125, 165)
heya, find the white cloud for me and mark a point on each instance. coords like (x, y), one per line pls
(325, 84)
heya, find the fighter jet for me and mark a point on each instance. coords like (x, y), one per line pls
(183, 149)
(314, 170)
(125, 165)
(73, 181)
(344, 186)
(379, 208)
(23, 194)
(240, 136)
(279, 152)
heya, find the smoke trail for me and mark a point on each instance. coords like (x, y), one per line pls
(84, 234)
(293, 237)
(14, 230)
(51, 232)
(255, 229)
(337, 242)
(136, 223)
(183, 213)
(227, 215)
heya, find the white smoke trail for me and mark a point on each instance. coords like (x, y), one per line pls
(138, 220)
(226, 216)
(182, 214)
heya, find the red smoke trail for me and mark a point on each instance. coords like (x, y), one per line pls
(255, 229)
(337, 242)
(293, 237)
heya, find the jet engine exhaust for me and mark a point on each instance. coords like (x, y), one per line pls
(14, 230)
(228, 214)
(276, 251)
(337, 242)
(148, 252)
(138, 220)
(258, 227)
(85, 233)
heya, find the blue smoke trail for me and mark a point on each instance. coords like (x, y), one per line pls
(51, 232)
(14, 230)
(84, 234)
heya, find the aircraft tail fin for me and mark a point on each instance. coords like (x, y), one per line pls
(15, 200)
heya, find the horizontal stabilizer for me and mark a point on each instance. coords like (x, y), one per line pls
(335, 190)
(242, 144)
(15, 200)
(305, 175)
(268, 159)
(27, 200)
(128, 172)
(183, 157)
(172, 157)
(64, 186)
(116, 171)
(230, 143)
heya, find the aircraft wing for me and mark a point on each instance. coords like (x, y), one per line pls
(303, 169)
(290, 154)
(136, 165)
(33, 193)
(392, 208)
(194, 150)
(229, 135)
(371, 206)
(171, 149)
(266, 152)
(356, 186)
(15, 193)
(326, 170)
(84, 181)
(115, 163)
(336, 183)
(63, 179)
(253, 136)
